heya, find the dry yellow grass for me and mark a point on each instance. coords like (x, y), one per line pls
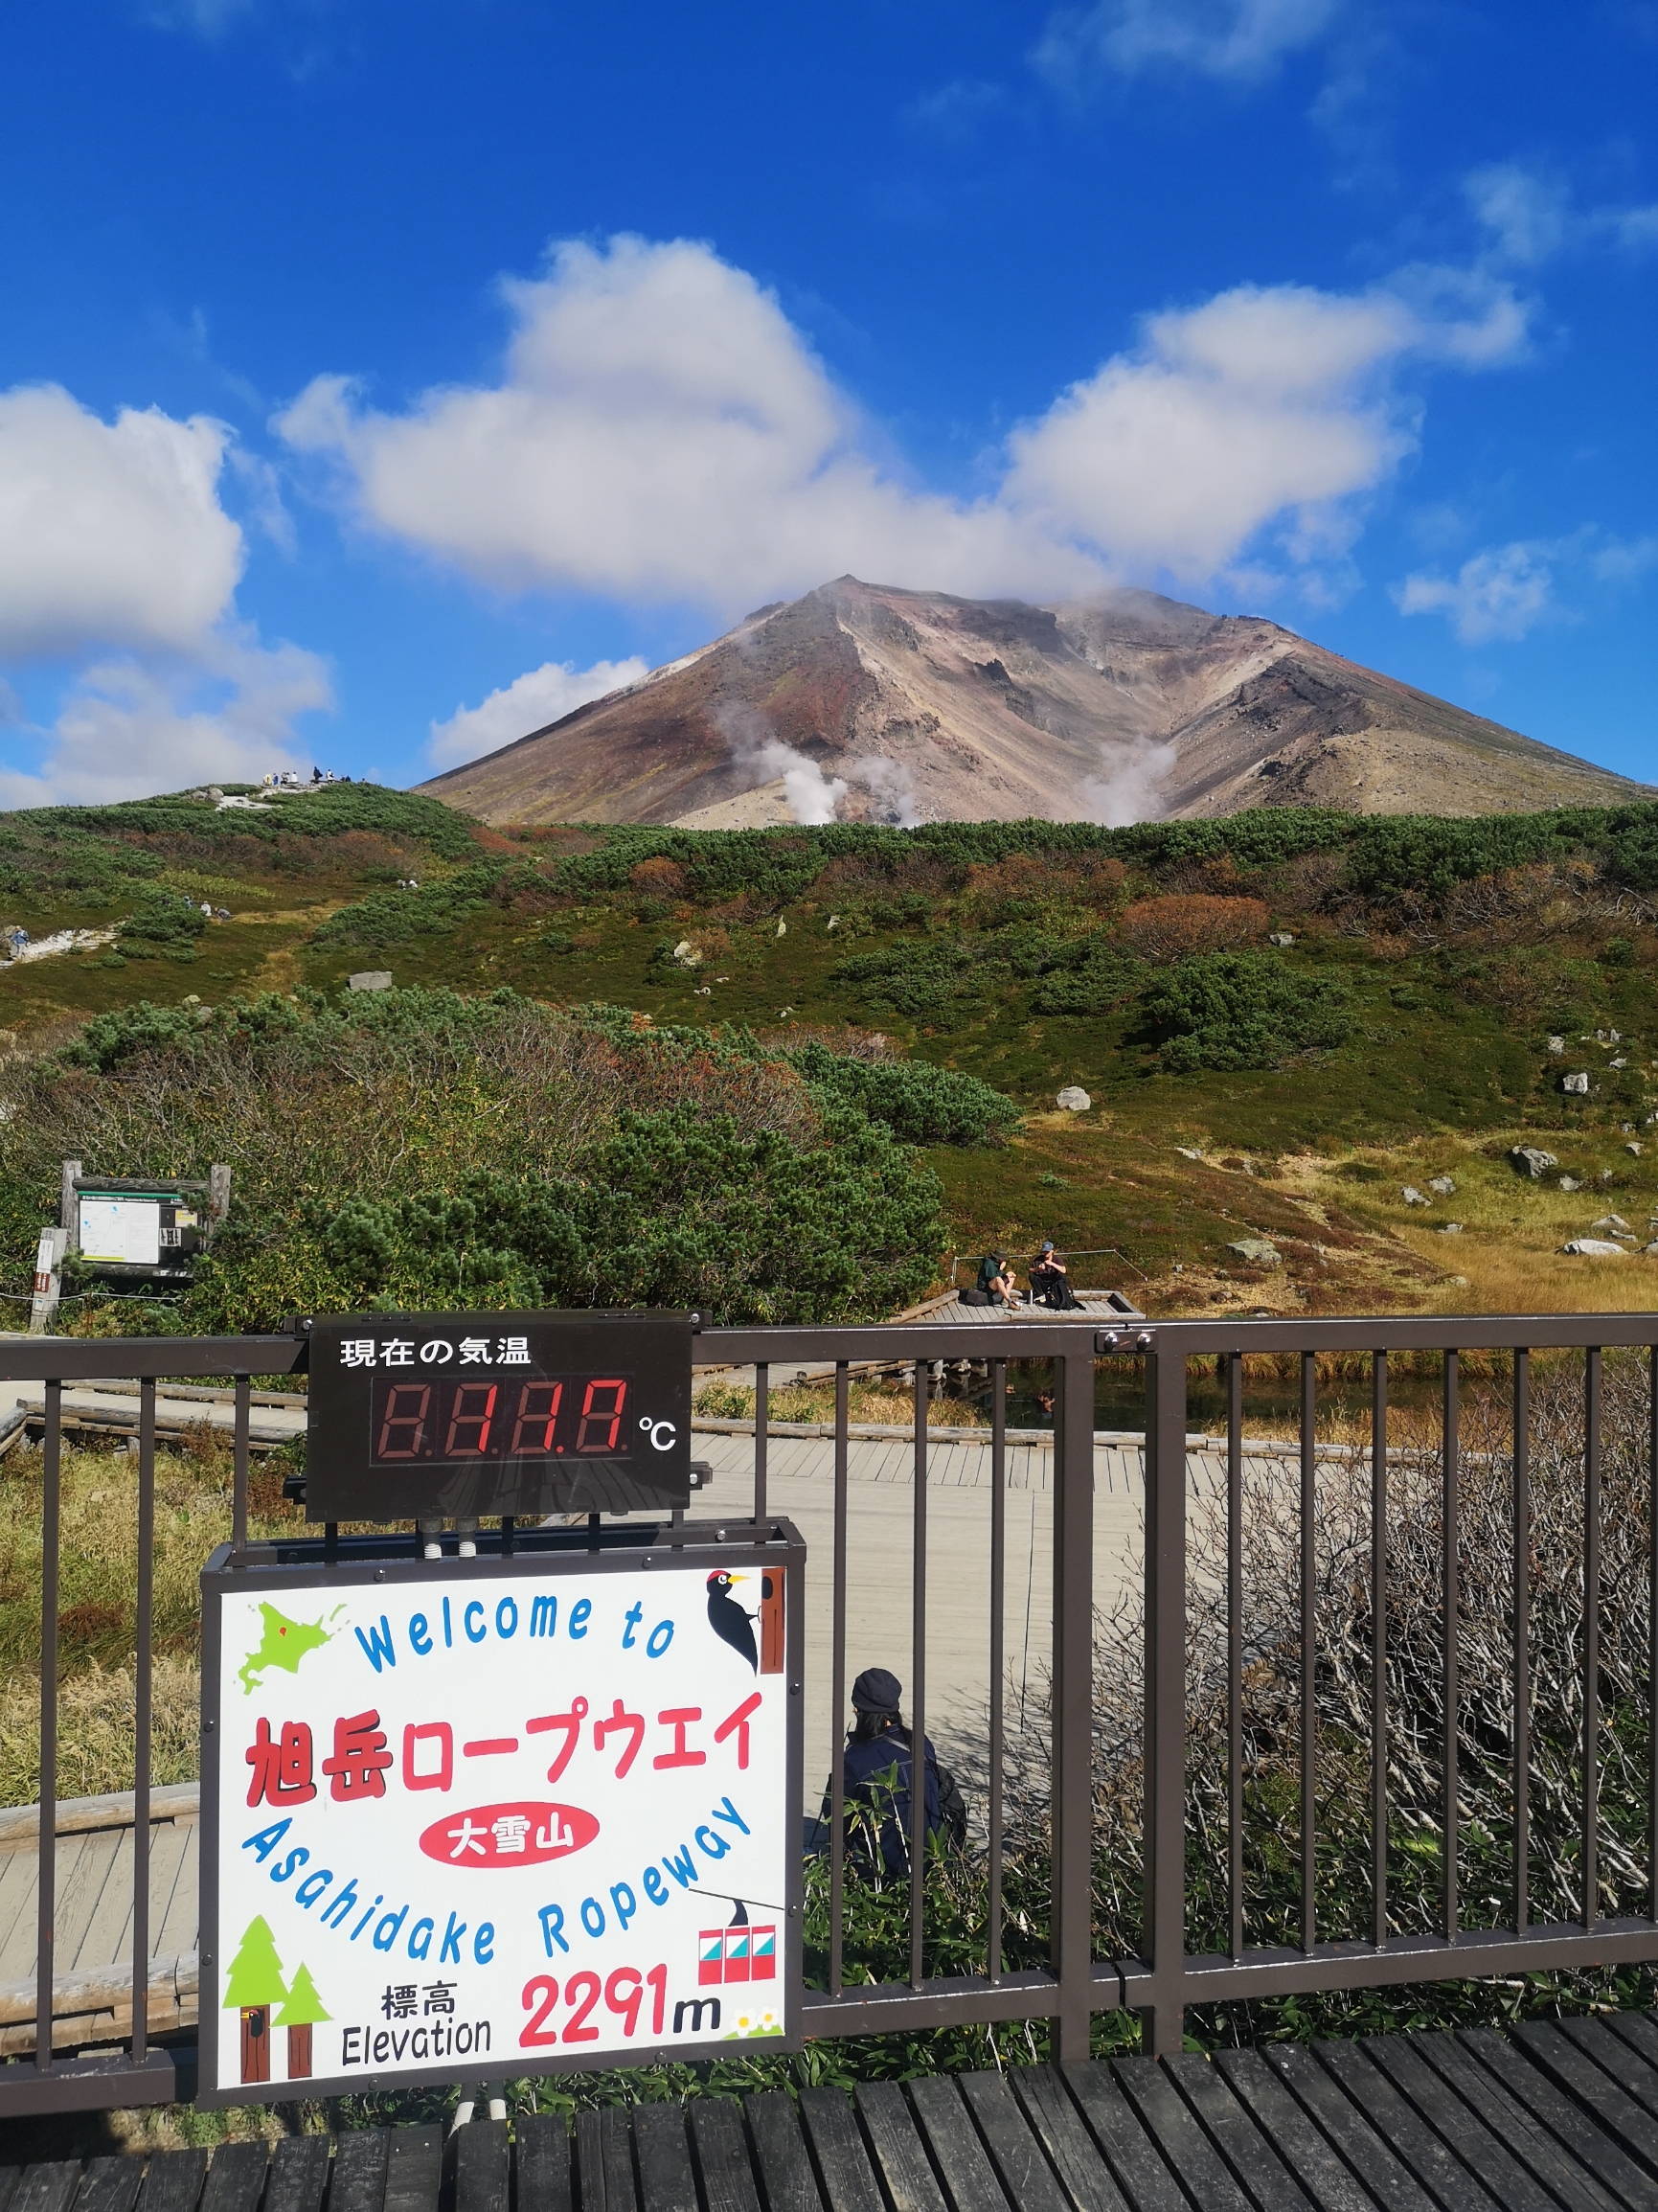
(96, 1727)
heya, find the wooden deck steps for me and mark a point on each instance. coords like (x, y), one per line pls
(1549, 2119)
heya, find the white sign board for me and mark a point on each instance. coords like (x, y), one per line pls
(475, 1820)
(125, 1230)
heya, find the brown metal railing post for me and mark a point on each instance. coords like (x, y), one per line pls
(1591, 1635)
(1378, 1647)
(1072, 1660)
(998, 1652)
(1165, 1819)
(837, 1693)
(142, 1718)
(1523, 1638)
(1235, 1650)
(239, 1492)
(762, 1438)
(1309, 1654)
(1451, 1572)
(50, 1500)
(919, 1688)
(1653, 1630)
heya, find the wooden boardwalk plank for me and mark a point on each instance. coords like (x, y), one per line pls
(721, 2158)
(667, 2182)
(1638, 2030)
(1320, 2171)
(482, 2165)
(173, 1917)
(359, 2175)
(1462, 2130)
(779, 2152)
(901, 2156)
(110, 2185)
(48, 2186)
(107, 1934)
(1577, 2074)
(1016, 2150)
(1589, 2145)
(83, 1875)
(414, 2170)
(1509, 2120)
(299, 2174)
(1441, 2174)
(1201, 2172)
(173, 2180)
(969, 2182)
(1390, 2182)
(1232, 2129)
(542, 2164)
(615, 2161)
(1133, 2159)
(236, 2178)
(842, 2163)
(1634, 2074)
(1073, 2152)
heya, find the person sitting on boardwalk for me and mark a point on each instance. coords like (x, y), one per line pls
(1048, 1281)
(996, 1282)
(875, 1774)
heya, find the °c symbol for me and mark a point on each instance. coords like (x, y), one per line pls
(661, 1433)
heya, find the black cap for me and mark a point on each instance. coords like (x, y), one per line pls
(875, 1691)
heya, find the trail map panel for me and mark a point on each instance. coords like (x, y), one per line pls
(498, 1817)
(432, 1414)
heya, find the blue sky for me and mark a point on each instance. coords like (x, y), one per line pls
(376, 380)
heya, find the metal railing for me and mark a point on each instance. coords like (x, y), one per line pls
(1083, 1975)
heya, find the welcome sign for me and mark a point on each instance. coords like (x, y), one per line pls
(478, 1818)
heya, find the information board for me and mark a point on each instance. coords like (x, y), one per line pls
(428, 1414)
(476, 1819)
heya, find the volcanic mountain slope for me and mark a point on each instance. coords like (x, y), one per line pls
(862, 701)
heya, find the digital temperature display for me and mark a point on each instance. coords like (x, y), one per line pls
(525, 1417)
(418, 1414)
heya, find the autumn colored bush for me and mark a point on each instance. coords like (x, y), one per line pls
(1162, 930)
(658, 878)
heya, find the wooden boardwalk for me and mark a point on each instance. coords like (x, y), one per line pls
(1549, 2119)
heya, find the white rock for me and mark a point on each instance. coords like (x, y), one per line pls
(1570, 1183)
(686, 955)
(1444, 1184)
(1280, 936)
(370, 979)
(835, 920)
(1414, 1197)
(1613, 1221)
(1576, 1084)
(781, 928)
(1074, 1098)
(1533, 1162)
(1189, 1152)
(1256, 1250)
(1556, 1043)
(1619, 1062)
(1593, 1248)
(1633, 1150)
(1450, 1229)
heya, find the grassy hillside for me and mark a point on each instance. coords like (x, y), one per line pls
(1403, 1036)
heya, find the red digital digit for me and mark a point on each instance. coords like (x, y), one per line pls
(657, 1978)
(403, 1422)
(534, 1428)
(625, 1994)
(607, 1418)
(475, 1415)
(578, 2031)
(538, 2034)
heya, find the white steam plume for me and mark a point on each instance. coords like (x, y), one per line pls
(811, 796)
(1127, 788)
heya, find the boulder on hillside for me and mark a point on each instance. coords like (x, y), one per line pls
(1593, 1248)
(370, 979)
(1529, 1161)
(1257, 1251)
(1074, 1098)
(1576, 1085)
(1443, 1184)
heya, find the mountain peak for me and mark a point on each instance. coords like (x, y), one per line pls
(876, 702)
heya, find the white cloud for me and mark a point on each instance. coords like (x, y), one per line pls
(1243, 39)
(535, 698)
(1506, 591)
(130, 727)
(1528, 214)
(663, 433)
(111, 533)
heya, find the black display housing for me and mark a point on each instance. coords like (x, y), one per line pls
(425, 1415)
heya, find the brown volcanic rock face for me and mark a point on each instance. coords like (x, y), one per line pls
(925, 707)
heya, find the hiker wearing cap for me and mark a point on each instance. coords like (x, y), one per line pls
(875, 1771)
(1048, 1284)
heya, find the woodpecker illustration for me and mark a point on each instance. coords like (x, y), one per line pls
(727, 1618)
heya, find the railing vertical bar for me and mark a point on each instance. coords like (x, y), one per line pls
(1523, 1639)
(51, 1498)
(919, 1687)
(142, 1720)
(1378, 1646)
(837, 1692)
(1452, 1548)
(762, 1438)
(1652, 1625)
(1072, 1818)
(1309, 1654)
(1235, 1647)
(1592, 1379)
(998, 1656)
(239, 1493)
(1164, 1931)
